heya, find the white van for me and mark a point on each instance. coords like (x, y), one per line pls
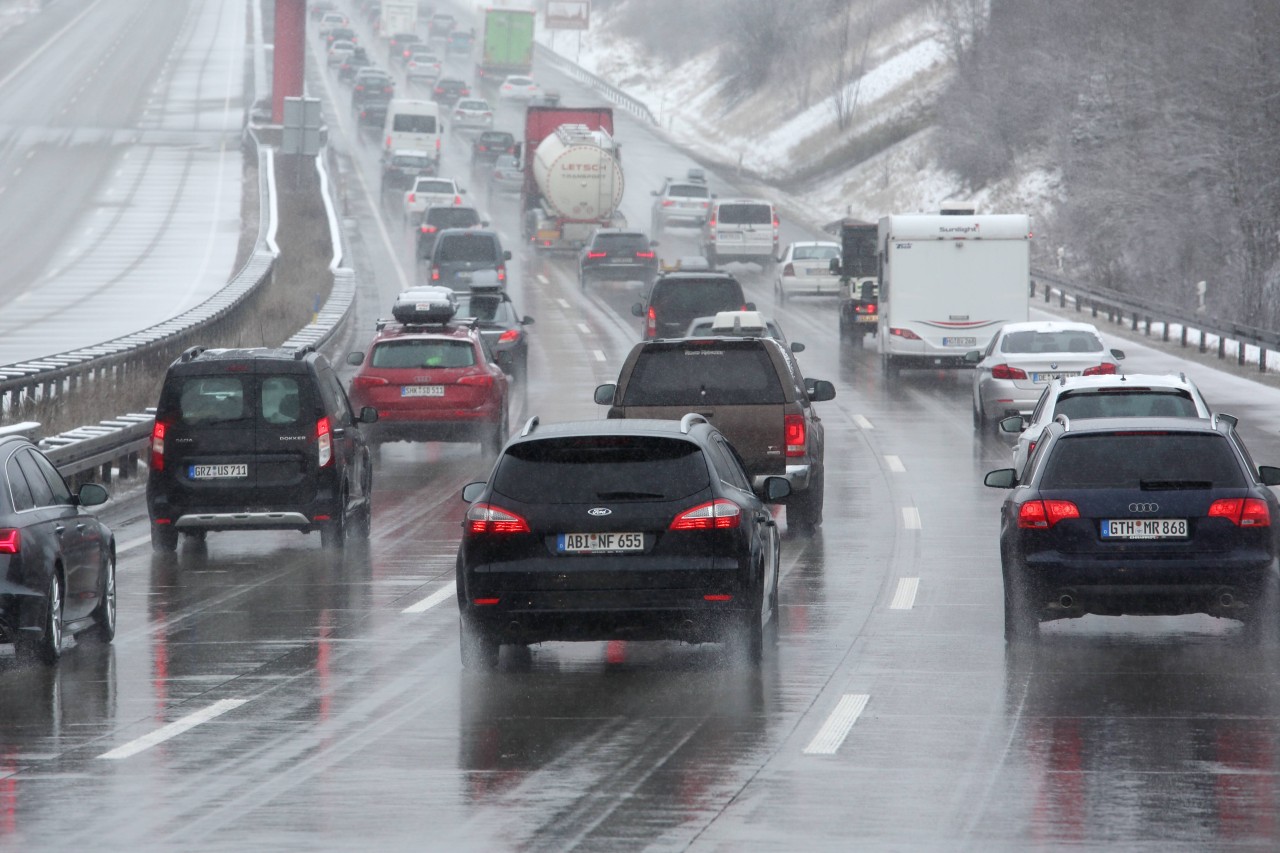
(741, 229)
(412, 125)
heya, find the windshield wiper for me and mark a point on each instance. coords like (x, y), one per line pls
(628, 496)
(1173, 485)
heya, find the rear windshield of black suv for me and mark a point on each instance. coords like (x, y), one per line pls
(746, 214)
(1123, 403)
(704, 373)
(223, 400)
(1143, 459)
(461, 247)
(591, 469)
(451, 217)
(696, 297)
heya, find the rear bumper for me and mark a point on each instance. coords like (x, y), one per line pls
(620, 272)
(815, 286)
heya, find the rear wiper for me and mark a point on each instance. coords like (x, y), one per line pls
(627, 496)
(1170, 485)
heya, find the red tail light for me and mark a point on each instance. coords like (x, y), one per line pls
(597, 255)
(502, 273)
(509, 336)
(482, 147)
(1242, 512)
(790, 270)
(719, 514)
(324, 443)
(666, 202)
(864, 309)
(1041, 515)
(717, 596)
(644, 256)
(905, 334)
(388, 140)
(435, 273)
(157, 445)
(359, 87)
(485, 602)
(413, 197)
(794, 429)
(457, 199)
(712, 222)
(487, 518)
(10, 541)
(364, 383)
(651, 323)
(1100, 370)
(1004, 371)
(428, 229)
(478, 380)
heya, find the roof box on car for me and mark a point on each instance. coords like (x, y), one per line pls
(425, 306)
(485, 280)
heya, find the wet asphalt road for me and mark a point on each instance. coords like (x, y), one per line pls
(263, 695)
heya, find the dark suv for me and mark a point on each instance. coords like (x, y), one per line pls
(613, 254)
(1139, 515)
(257, 439)
(606, 530)
(752, 390)
(490, 145)
(438, 217)
(401, 168)
(677, 298)
(460, 252)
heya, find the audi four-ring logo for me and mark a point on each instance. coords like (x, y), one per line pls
(599, 510)
(1144, 507)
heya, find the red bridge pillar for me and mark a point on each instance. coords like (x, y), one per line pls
(290, 54)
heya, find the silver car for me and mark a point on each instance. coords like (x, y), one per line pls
(505, 177)
(1023, 358)
(1114, 396)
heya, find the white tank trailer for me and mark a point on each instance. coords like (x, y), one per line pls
(579, 175)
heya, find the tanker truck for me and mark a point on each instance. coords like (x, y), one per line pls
(573, 176)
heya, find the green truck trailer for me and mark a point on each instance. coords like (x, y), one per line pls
(507, 44)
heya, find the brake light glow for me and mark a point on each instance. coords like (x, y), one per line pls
(486, 518)
(1004, 371)
(644, 255)
(324, 443)
(905, 334)
(1041, 515)
(480, 380)
(651, 323)
(1242, 512)
(666, 202)
(366, 382)
(435, 273)
(10, 541)
(413, 197)
(719, 514)
(717, 597)
(596, 255)
(428, 229)
(794, 428)
(502, 273)
(864, 309)
(509, 336)
(457, 199)
(1100, 370)
(157, 445)
(485, 602)
(388, 140)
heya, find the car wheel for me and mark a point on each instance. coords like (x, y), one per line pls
(333, 536)
(1020, 622)
(496, 437)
(582, 280)
(855, 338)
(104, 615)
(47, 648)
(980, 420)
(804, 511)
(780, 291)
(888, 366)
(164, 539)
(478, 646)
(1263, 626)
(750, 638)
(710, 255)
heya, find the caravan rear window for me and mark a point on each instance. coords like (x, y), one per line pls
(746, 214)
(413, 123)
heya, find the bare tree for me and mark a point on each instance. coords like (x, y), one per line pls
(849, 68)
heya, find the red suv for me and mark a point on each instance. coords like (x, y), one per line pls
(429, 379)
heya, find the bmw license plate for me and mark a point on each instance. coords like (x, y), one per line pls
(960, 342)
(1144, 528)
(1049, 377)
(422, 391)
(234, 471)
(596, 543)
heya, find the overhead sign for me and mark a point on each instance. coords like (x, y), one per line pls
(568, 14)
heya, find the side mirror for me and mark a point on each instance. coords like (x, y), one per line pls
(973, 356)
(526, 320)
(1269, 473)
(751, 306)
(796, 346)
(471, 492)
(654, 193)
(637, 310)
(484, 223)
(1002, 478)
(775, 488)
(604, 393)
(1117, 354)
(834, 266)
(504, 358)
(368, 415)
(820, 390)
(355, 359)
(1013, 423)
(92, 494)
(506, 256)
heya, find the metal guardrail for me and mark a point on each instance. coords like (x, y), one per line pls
(1123, 309)
(611, 93)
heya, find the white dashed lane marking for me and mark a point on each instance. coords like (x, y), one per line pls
(440, 595)
(905, 596)
(862, 422)
(895, 464)
(177, 727)
(910, 518)
(838, 724)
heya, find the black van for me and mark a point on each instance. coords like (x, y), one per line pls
(460, 252)
(258, 439)
(677, 298)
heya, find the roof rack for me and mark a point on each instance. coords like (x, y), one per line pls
(192, 352)
(1064, 420)
(529, 426)
(687, 422)
(301, 352)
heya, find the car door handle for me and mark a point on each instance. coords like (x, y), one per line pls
(81, 526)
(339, 432)
(59, 529)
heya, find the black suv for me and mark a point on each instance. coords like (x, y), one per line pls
(371, 86)
(752, 389)
(448, 90)
(1139, 515)
(401, 168)
(490, 145)
(613, 254)
(437, 218)
(257, 439)
(461, 252)
(677, 298)
(607, 530)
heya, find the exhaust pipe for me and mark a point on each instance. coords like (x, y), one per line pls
(1066, 602)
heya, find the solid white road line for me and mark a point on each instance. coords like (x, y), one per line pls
(442, 594)
(910, 518)
(836, 728)
(177, 727)
(905, 597)
(54, 39)
(895, 464)
(599, 354)
(584, 328)
(862, 422)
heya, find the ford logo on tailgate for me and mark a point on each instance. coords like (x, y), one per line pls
(599, 510)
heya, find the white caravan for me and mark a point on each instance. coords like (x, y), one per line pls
(947, 283)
